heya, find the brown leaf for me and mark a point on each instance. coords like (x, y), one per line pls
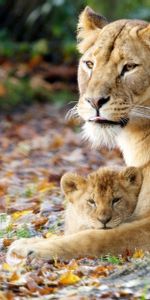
(39, 222)
(57, 142)
(9, 295)
(102, 271)
(32, 285)
(46, 290)
(35, 61)
(7, 242)
(2, 296)
(3, 90)
(14, 277)
(3, 189)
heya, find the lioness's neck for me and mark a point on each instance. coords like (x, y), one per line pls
(134, 142)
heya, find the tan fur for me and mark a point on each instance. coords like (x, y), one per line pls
(111, 47)
(103, 187)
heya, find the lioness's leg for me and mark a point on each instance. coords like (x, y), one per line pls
(90, 242)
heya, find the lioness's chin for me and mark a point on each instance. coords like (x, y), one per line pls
(101, 135)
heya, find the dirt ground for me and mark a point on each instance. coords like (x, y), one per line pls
(37, 146)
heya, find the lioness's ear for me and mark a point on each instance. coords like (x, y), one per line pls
(71, 182)
(132, 175)
(88, 28)
(144, 34)
(89, 19)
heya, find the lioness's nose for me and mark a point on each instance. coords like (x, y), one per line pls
(99, 102)
(104, 219)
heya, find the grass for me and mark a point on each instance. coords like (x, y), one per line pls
(112, 259)
(10, 232)
(23, 232)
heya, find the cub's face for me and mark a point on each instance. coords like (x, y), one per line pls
(113, 74)
(106, 198)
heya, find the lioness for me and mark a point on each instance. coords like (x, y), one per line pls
(114, 85)
(103, 200)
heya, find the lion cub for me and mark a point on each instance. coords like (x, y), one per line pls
(103, 200)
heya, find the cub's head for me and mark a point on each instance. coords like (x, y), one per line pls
(113, 75)
(106, 197)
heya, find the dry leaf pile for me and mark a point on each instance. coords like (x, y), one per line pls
(37, 145)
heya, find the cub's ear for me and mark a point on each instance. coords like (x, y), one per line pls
(71, 182)
(132, 175)
(88, 28)
(144, 34)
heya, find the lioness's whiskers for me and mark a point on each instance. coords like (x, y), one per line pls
(72, 113)
(141, 111)
(140, 114)
(143, 107)
(73, 101)
(124, 120)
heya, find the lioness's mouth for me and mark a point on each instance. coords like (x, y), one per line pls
(100, 120)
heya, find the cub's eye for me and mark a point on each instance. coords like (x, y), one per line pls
(127, 68)
(89, 64)
(115, 200)
(91, 202)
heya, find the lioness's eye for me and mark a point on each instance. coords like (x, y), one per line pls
(115, 200)
(127, 68)
(91, 202)
(89, 64)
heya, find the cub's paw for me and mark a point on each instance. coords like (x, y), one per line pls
(20, 249)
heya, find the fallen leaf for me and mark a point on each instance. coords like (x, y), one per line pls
(39, 222)
(16, 215)
(7, 242)
(57, 142)
(102, 271)
(7, 267)
(3, 90)
(14, 277)
(72, 265)
(46, 186)
(32, 285)
(46, 290)
(35, 61)
(139, 253)
(74, 156)
(2, 296)
(49, 235)
(3, 189)
(69, 278)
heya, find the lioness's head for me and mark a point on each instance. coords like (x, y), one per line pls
(105, 198)
(113, 74)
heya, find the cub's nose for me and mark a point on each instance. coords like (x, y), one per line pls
(99, 102)
(104, 219)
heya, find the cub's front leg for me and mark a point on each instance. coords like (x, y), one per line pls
(89, 242)
(64, 247)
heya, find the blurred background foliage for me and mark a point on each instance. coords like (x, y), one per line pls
(38, 56)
